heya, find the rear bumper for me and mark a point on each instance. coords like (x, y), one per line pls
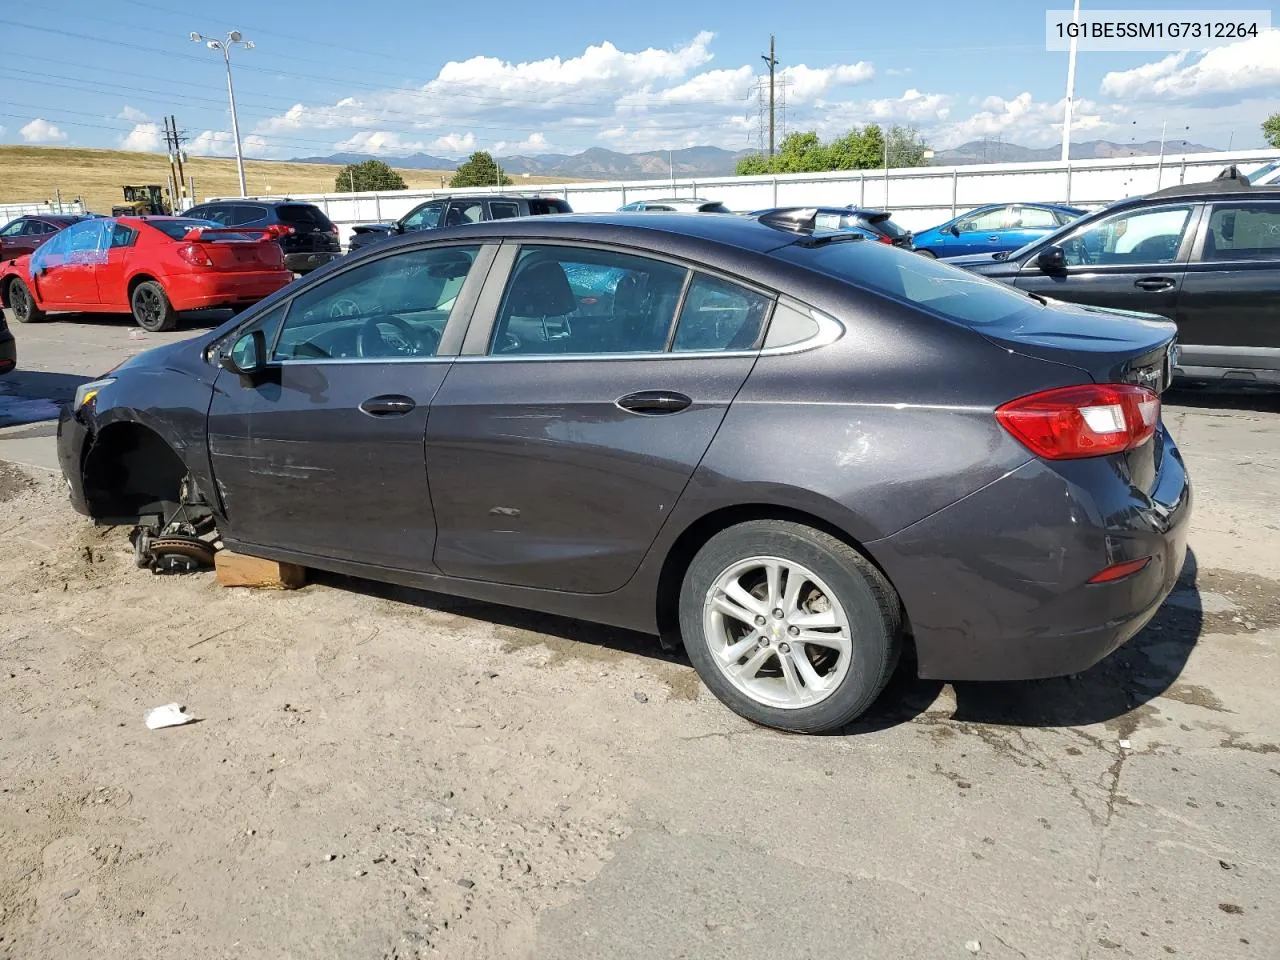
(199, 291)
(305, 262)
(8, 352)
(996, 586)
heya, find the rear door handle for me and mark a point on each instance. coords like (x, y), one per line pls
(653, 403)
(387, 405)
(1153, 284)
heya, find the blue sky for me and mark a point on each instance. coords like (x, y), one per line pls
(448, 78)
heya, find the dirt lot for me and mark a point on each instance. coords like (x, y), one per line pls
(383, 773)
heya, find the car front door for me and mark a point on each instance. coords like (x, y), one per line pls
(1132, 260)
(1229, 308)
(591, 384)
(425, 217)
(323, 455)
(65, 269)
(11, 241)
(979, 232)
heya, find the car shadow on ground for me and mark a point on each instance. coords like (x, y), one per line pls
(34, 396)
(1220, 397)
(194, 320)
(1137, 673)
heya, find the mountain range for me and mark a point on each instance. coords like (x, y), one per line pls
(597, 163)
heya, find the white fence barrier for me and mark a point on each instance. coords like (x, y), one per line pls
(920, 197)
(10, 211)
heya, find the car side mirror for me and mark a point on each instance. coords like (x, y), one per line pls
(1052, 260)
(954, 229)
(247, 356)
(399, 228)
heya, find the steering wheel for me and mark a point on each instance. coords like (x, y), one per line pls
(344, 308)
(414, 343)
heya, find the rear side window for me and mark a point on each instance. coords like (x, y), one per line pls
(1034, 218)
(122, 236)
(922, 282)
(540, 206)
(243, 214)
(718, 315)
(33, 228)
(220, 215)
(503, 209)
(1243, 231)
(303, 215)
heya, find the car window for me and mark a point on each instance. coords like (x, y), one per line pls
(930, 284)
(1133, 237)
(996, 219)
(1034, 218)
(503, 209)
(659, 208)
(1062, 217)
(394, 306)
(1243, 231)
(1263, 173)
(221, 215)
(246, 213)
(303, 215)
(426, 217)
(544, 205)
(13, 229)
(583, 301)
(714, 206)
(718, 315)
(122, 236)
(461, 212)
(196, 213)
(33, 228)
(176, 229)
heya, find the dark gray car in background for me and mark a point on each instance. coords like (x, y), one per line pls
(798, 452)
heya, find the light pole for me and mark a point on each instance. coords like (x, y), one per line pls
(233, 38)
(1071, 90)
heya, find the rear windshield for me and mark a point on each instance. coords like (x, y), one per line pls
(544, 205)
(715, 206)
(881, 223)
(177, 229)
(922, 282)
(303, 214)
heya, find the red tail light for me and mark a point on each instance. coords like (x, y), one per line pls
(1090, 420)
(195, 254)
(883, 239)
(1118, 571)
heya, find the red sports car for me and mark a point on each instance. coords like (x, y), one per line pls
(153, 267)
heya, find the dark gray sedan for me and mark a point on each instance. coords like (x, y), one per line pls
(798, 452)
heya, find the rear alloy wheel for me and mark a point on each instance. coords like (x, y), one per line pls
(152, 309)
(928, 253)
(789, 626)
(23, 304)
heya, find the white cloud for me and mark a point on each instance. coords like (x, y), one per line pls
(535, 143)
(454, 143)
(145, 137)
(132, 114)
(897, 71)
(1030, 122)
(219, 143)
(379, 142)
(40, 130)
(805, 83)
(1224, 74)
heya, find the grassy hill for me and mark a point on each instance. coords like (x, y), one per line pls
(34, 173)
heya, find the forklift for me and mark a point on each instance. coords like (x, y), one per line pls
(142, 201)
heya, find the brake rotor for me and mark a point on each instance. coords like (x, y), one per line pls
(178, 554)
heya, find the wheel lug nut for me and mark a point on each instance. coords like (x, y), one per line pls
(760, 621)
(764, 641)
(784, 648)
(794, 631)
(777, 614)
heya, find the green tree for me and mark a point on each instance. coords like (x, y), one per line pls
(479, 171)
(370, 175)
(1271, 130)
(859, 149)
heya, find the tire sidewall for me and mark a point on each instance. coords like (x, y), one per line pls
(32, 313)
(167, 320)
(873, 632)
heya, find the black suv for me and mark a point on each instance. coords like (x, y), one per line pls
(455, 211)
(1205, 255)
(312, 240)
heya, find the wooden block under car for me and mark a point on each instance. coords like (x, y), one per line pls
(238, 570)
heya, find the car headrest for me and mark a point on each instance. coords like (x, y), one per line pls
(541, 289)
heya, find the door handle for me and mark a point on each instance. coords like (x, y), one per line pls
(994, 237)
(653, 403)
(387, 405)
(1153, 284)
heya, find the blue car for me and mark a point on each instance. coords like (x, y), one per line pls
(996, 228)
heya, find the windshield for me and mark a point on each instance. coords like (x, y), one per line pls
(947, 291)
(303, 215)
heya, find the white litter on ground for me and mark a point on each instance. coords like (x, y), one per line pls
(170, 715)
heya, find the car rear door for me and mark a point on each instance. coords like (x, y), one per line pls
(323, 456)
(979, 233)
(112, 276)
(1134, 259)
(1228, 311)
(592, 381)
(1027, 224)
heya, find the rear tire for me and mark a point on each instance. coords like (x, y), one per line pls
(820, 664)
(152, 310)
(928, 253)
(23, 304)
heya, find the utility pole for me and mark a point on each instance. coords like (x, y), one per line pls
(173, 173)
(173, 141)
(772, 61)
(178, 140)
(1071, 90)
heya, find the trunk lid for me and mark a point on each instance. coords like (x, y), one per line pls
(311, 230)
(234, 249)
